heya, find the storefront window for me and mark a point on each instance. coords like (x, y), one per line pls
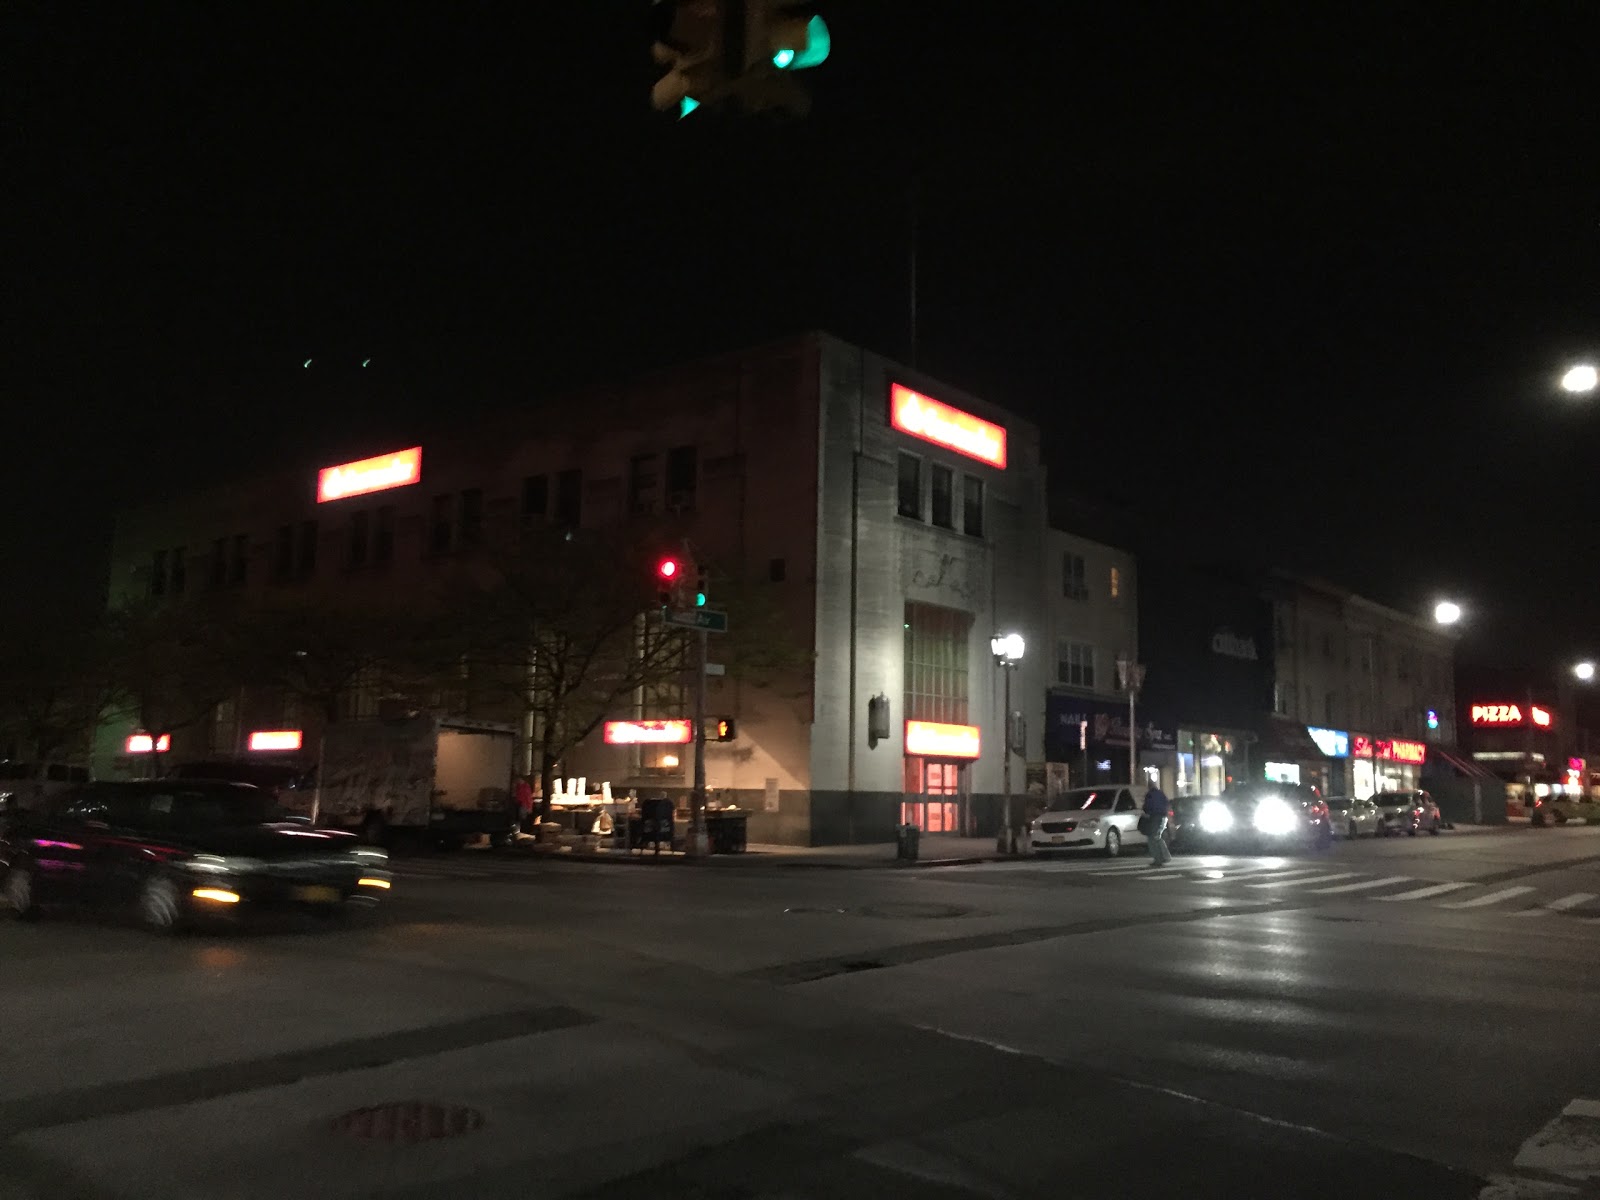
(1283, 772)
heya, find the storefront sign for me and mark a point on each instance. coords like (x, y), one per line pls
(143, 743)
(377, 474)
(1389, 749)
(926, 418)
(1230, 645)
(1541, 716)
(933, 740)
(1335, 743)
(275, 739)
(1510, 714)
(1076, 723)
(649, 733)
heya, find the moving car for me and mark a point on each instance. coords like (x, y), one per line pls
(1352, 817)
(174, 852)
(1408, 812)
(1091, 818)
(1255, 817)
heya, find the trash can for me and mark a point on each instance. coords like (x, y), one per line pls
(906, 839)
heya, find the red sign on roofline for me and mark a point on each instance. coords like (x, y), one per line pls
(377, 474)
(926, 418)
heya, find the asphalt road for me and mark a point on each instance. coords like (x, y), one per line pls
(1408, 1018)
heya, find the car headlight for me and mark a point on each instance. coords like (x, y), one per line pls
(1274, 816)
(1215, 817)
(1091, 823)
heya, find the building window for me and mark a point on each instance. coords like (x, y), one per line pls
(283, 558)
(308, 549)
(472, 516)
(360, 537)
(943, 480)
(1330, 710)
(158, 573)
(219, 562)
(180, 570)
(1116, 583)
(1075, 663)
(642, 481)
(910, 487)
(683, 464)
(1074, 585)
(383, 540)
(441, 530)
(936, 642)
(972, 506)
(569, 498)
(1308, 709)
(777, 570)
(1279, 698)
(239, 567)
(536, 496)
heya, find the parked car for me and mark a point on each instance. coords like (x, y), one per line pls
(1558, 810)
(174, 852)
(1255, 816)
(27, 785)
(1091, 818)
(1352, 817)
(1408, 812)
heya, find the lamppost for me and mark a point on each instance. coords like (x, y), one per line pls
(1131, 676)
(1583, 672)
(1007, 650)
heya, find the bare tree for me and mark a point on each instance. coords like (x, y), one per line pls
(55, 688)
(170, 665)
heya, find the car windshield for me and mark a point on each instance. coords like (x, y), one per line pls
(212, 808)
(1083, 800)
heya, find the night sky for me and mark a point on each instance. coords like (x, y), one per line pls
(1291, 282)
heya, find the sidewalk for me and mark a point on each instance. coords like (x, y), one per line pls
(934, 851)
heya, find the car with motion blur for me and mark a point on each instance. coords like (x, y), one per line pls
(1560, 808)
(1254, 818)
(289, 783)
(1103, 819)
(1352, 818)
(1408, 812)
(177, 852)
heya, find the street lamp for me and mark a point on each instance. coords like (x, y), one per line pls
(1580, 379)
(1446, 612)
(1131, 676)
(1007, 650)
(1584, 671)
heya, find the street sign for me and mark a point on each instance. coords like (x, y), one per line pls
(696, 618)
(716, 669)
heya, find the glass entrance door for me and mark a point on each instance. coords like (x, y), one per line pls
(933, 795)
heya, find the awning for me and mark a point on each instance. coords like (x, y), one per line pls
(1458, 763)
(1287, 741)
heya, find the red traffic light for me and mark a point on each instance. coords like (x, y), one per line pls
(667, 568)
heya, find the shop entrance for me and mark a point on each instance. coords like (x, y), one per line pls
(935, 795)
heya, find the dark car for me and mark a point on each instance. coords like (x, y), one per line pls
(175, 851)
(1255, 817)
(290, 783)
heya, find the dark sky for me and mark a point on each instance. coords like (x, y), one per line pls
(1295, 279)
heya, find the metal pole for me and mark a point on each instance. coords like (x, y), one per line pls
(1005, 770)
(1133, 737)
(697, 845)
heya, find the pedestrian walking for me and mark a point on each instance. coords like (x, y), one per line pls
(523, 792)
(1157, 809)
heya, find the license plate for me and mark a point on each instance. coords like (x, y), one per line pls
(317, 895)
(1058, 837)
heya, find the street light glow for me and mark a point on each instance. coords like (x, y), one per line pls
(1008, 647)
(1584, 671)
(1580, 379)
(1447, 612)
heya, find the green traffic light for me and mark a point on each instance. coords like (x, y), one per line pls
(782, 59)
(699, 599)
(686, 106)
(818, 44)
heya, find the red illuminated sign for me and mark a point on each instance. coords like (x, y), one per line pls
(649, 733)
(1509, 714)
(143, 743)
(1391, 750)
(934, 740)
(275, 739)
(924, 417)
(1541, 716)
(377, 474)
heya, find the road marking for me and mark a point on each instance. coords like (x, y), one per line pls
(1438, 889)
(1572, 901)
(1532, 912)
(1491, 898)
(1120, 870)
(1361, 887)
(1161, 873)
(1302, 882)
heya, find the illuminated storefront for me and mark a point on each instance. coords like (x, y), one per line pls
(1385, 764)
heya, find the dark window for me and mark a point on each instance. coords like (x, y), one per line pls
(1074, 577)
(283, 559)
(383, 542)
(239, 567)
(441, 531)
(360, 537)
(158, 573)
(219, 562)
(972, 506)
(536, 496)
(180, 569)
(777, 570)
(642, 479)
(472, 516)
(943, 480)
(911, 486)
(56, 773)
(682, 476)
(569, 498)
(308, 548)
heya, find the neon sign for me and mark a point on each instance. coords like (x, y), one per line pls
(934, 740)
(926, 418)
(1510, 714)
(649, 733)
(376, 474)
(143, 743)
(1541, 716)
(275, 739)
(1389, 749)
(1335, 743)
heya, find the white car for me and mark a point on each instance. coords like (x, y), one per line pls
(1092, 818)
(1354, 818)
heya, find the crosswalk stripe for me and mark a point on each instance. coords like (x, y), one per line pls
(1123, 869)
(1438, 889)
(1228, 874)
(1361, 887)
(1532, 912)
(1161, 874)
(1572, 901)
(1491, 898)
(1303, 882)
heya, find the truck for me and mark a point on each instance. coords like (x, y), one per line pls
(447, 779)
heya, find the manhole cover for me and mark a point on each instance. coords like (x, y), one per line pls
(911, 910)
(409, 1121)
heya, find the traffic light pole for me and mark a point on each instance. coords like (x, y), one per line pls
(698, 845)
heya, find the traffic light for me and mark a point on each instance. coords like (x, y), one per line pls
(721, 51)
(700, 589)
(725, 728)
(788, 35)
(669, 578)
(689, 44)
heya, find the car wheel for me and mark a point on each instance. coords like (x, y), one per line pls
(1113, 843)
(19, 894)
(159, 907)
(1437, 825)
(1352, 833)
